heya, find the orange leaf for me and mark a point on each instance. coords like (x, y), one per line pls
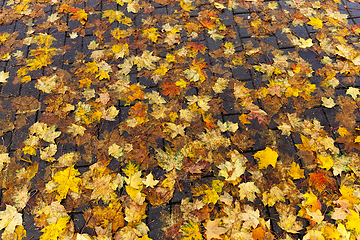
(170, 88)
(318, 181)
(258, 233)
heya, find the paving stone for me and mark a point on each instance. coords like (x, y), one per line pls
(94, 4)
(317, 113)
(159, 11)
(31, 230)
(76, 46)
(29, 89)
(244, 25)
(80, 224)
(154, 223)
(240, 10)
(9, 88)
(227, 17)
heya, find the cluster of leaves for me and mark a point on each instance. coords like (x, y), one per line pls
(171, 131)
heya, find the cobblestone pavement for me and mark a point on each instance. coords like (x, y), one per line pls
(14, 90)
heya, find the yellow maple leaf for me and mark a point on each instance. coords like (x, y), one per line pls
(273, 5)
(325, 162)
(347, 193)
(161, 70)
(289, 223)
(130, 169)
(296, 172)
(275, 195)
(79, 15)
(305, 43)
(192, 231)
(50, 134)
(76, 130)
(186, 6)
(149, 181)
(213, 230)
(31, 150)
(211, 196)
(3, 76)
(244, 119)
(4, 159)
(328, 102)
(55, 230)
(181, 83)
(315, 22)
(67, 180)
(343, 131)
(353, 221)
(266, 157)
(248, 190)
(353, 92)
(10, 218)
(134, 213)
(151, 33)
(113, 15)
(330, 232)
(135, 180)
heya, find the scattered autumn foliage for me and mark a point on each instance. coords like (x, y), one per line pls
(154, 106)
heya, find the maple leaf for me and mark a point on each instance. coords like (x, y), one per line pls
(227, 126)
(328, 102)
(231, 171)
(48, 153)
(273, 5)
(192, 231)
(66, 181)
(301, 42)
(135, 213)
(248, 190)
(3, 76)
(325, 161)
(315, 22)
(353, 92)
(275, 195)
(170, 89)
(285, 129)
(176, 129)
(47, 84)
(135, 181)
(211, 196)
(131, 168)
(353, 220)
(244, 119)
(55, 230)
(151, 33)
(115, 150)
(10, 218)
(289, 224)
(76, 130)
(146, 60)
(213, 230)
(220, 85)
(4, 159)
(78, 14)
(258, 233)
(149, 181)
(103, 188)
(250, 217)
(266, 157)
(296, 172)
(318, 181)
(50, 134)
(169, 160)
